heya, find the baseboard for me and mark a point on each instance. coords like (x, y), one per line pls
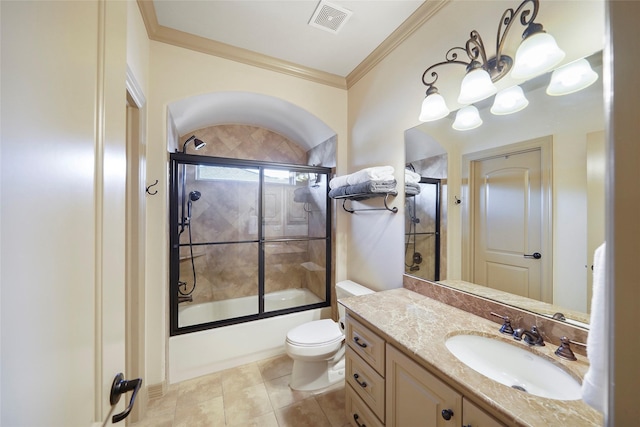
(155, 391)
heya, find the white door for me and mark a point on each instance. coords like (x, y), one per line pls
(507, 232)
(62, 210)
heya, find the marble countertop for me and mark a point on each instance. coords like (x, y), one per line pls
(419, 326)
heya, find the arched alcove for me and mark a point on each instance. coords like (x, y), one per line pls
(277, 115)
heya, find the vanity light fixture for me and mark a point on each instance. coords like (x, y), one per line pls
(537, 54)
(571, 78)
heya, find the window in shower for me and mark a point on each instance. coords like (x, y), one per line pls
(248, 240)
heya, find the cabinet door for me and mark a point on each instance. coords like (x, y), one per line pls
(472, 416)
(416, 398)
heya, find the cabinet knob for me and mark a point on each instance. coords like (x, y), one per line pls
(447, 414)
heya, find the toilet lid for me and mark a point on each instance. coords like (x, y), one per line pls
(315, 333)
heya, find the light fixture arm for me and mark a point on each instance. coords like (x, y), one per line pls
(498, 65)
(450, 58)
(508, 18)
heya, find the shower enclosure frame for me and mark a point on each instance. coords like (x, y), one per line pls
(176, 160)
(436, 233)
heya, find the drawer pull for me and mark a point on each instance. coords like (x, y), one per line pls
(357, 341)
(447, 414)
(355, 418)
(362, 384)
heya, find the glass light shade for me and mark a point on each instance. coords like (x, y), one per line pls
(433, 108)
(537, 54)
(476, 86)
(508, 101)
(467, 118)
(571, 78)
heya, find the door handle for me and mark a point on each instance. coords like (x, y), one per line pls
(535, 255)
(119, 387)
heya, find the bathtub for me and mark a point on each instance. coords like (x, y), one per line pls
(206, 312)
(212, 350)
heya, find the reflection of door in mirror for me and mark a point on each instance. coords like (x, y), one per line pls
(507, 197)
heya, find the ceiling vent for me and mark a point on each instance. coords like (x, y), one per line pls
(330, 17)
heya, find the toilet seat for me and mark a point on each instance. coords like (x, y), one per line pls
(318, 333)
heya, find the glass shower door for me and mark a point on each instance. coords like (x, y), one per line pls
(295, 238)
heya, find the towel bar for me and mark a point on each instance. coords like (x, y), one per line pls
(364, 197)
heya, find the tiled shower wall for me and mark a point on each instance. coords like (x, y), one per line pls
(231, 271)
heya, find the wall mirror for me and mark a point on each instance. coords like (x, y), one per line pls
(575, 125)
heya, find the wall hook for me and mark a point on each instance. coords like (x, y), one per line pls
(155, 192)
(458, 201)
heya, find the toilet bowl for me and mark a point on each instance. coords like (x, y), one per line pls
(317, 348)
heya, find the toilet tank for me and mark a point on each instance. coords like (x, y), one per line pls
(347, 288)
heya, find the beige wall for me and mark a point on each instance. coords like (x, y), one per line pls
(137, 46)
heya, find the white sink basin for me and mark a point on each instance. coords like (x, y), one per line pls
(515, 367)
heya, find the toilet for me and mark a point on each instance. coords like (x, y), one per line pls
(317, 348)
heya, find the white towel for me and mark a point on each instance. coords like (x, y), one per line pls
(338, 181)
(594, 385)
(376, 173)
(411, 177)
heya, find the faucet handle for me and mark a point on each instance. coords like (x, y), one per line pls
(564, 350)
(506, 327)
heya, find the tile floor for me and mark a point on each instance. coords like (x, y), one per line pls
(256, 394)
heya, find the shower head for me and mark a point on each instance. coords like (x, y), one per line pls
(193, 196)
(198, 144)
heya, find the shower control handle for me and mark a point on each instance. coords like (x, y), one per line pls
(362, 384)
(361, 344)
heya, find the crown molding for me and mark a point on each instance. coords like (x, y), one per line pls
(174, 37)
(167, 35)
(408, 27)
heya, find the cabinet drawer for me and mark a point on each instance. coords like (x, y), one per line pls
(358, 412)
(366, 382)
(366, 344)
(476, 417)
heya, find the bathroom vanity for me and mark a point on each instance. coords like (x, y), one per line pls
(399, 371)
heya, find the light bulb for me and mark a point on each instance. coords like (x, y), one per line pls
(571, 78)
(433, 108)
(537, 54)
(476, 86)
(508, 101)
(467, 118)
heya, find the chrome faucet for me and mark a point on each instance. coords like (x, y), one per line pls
(185, 298)
(531, 337)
